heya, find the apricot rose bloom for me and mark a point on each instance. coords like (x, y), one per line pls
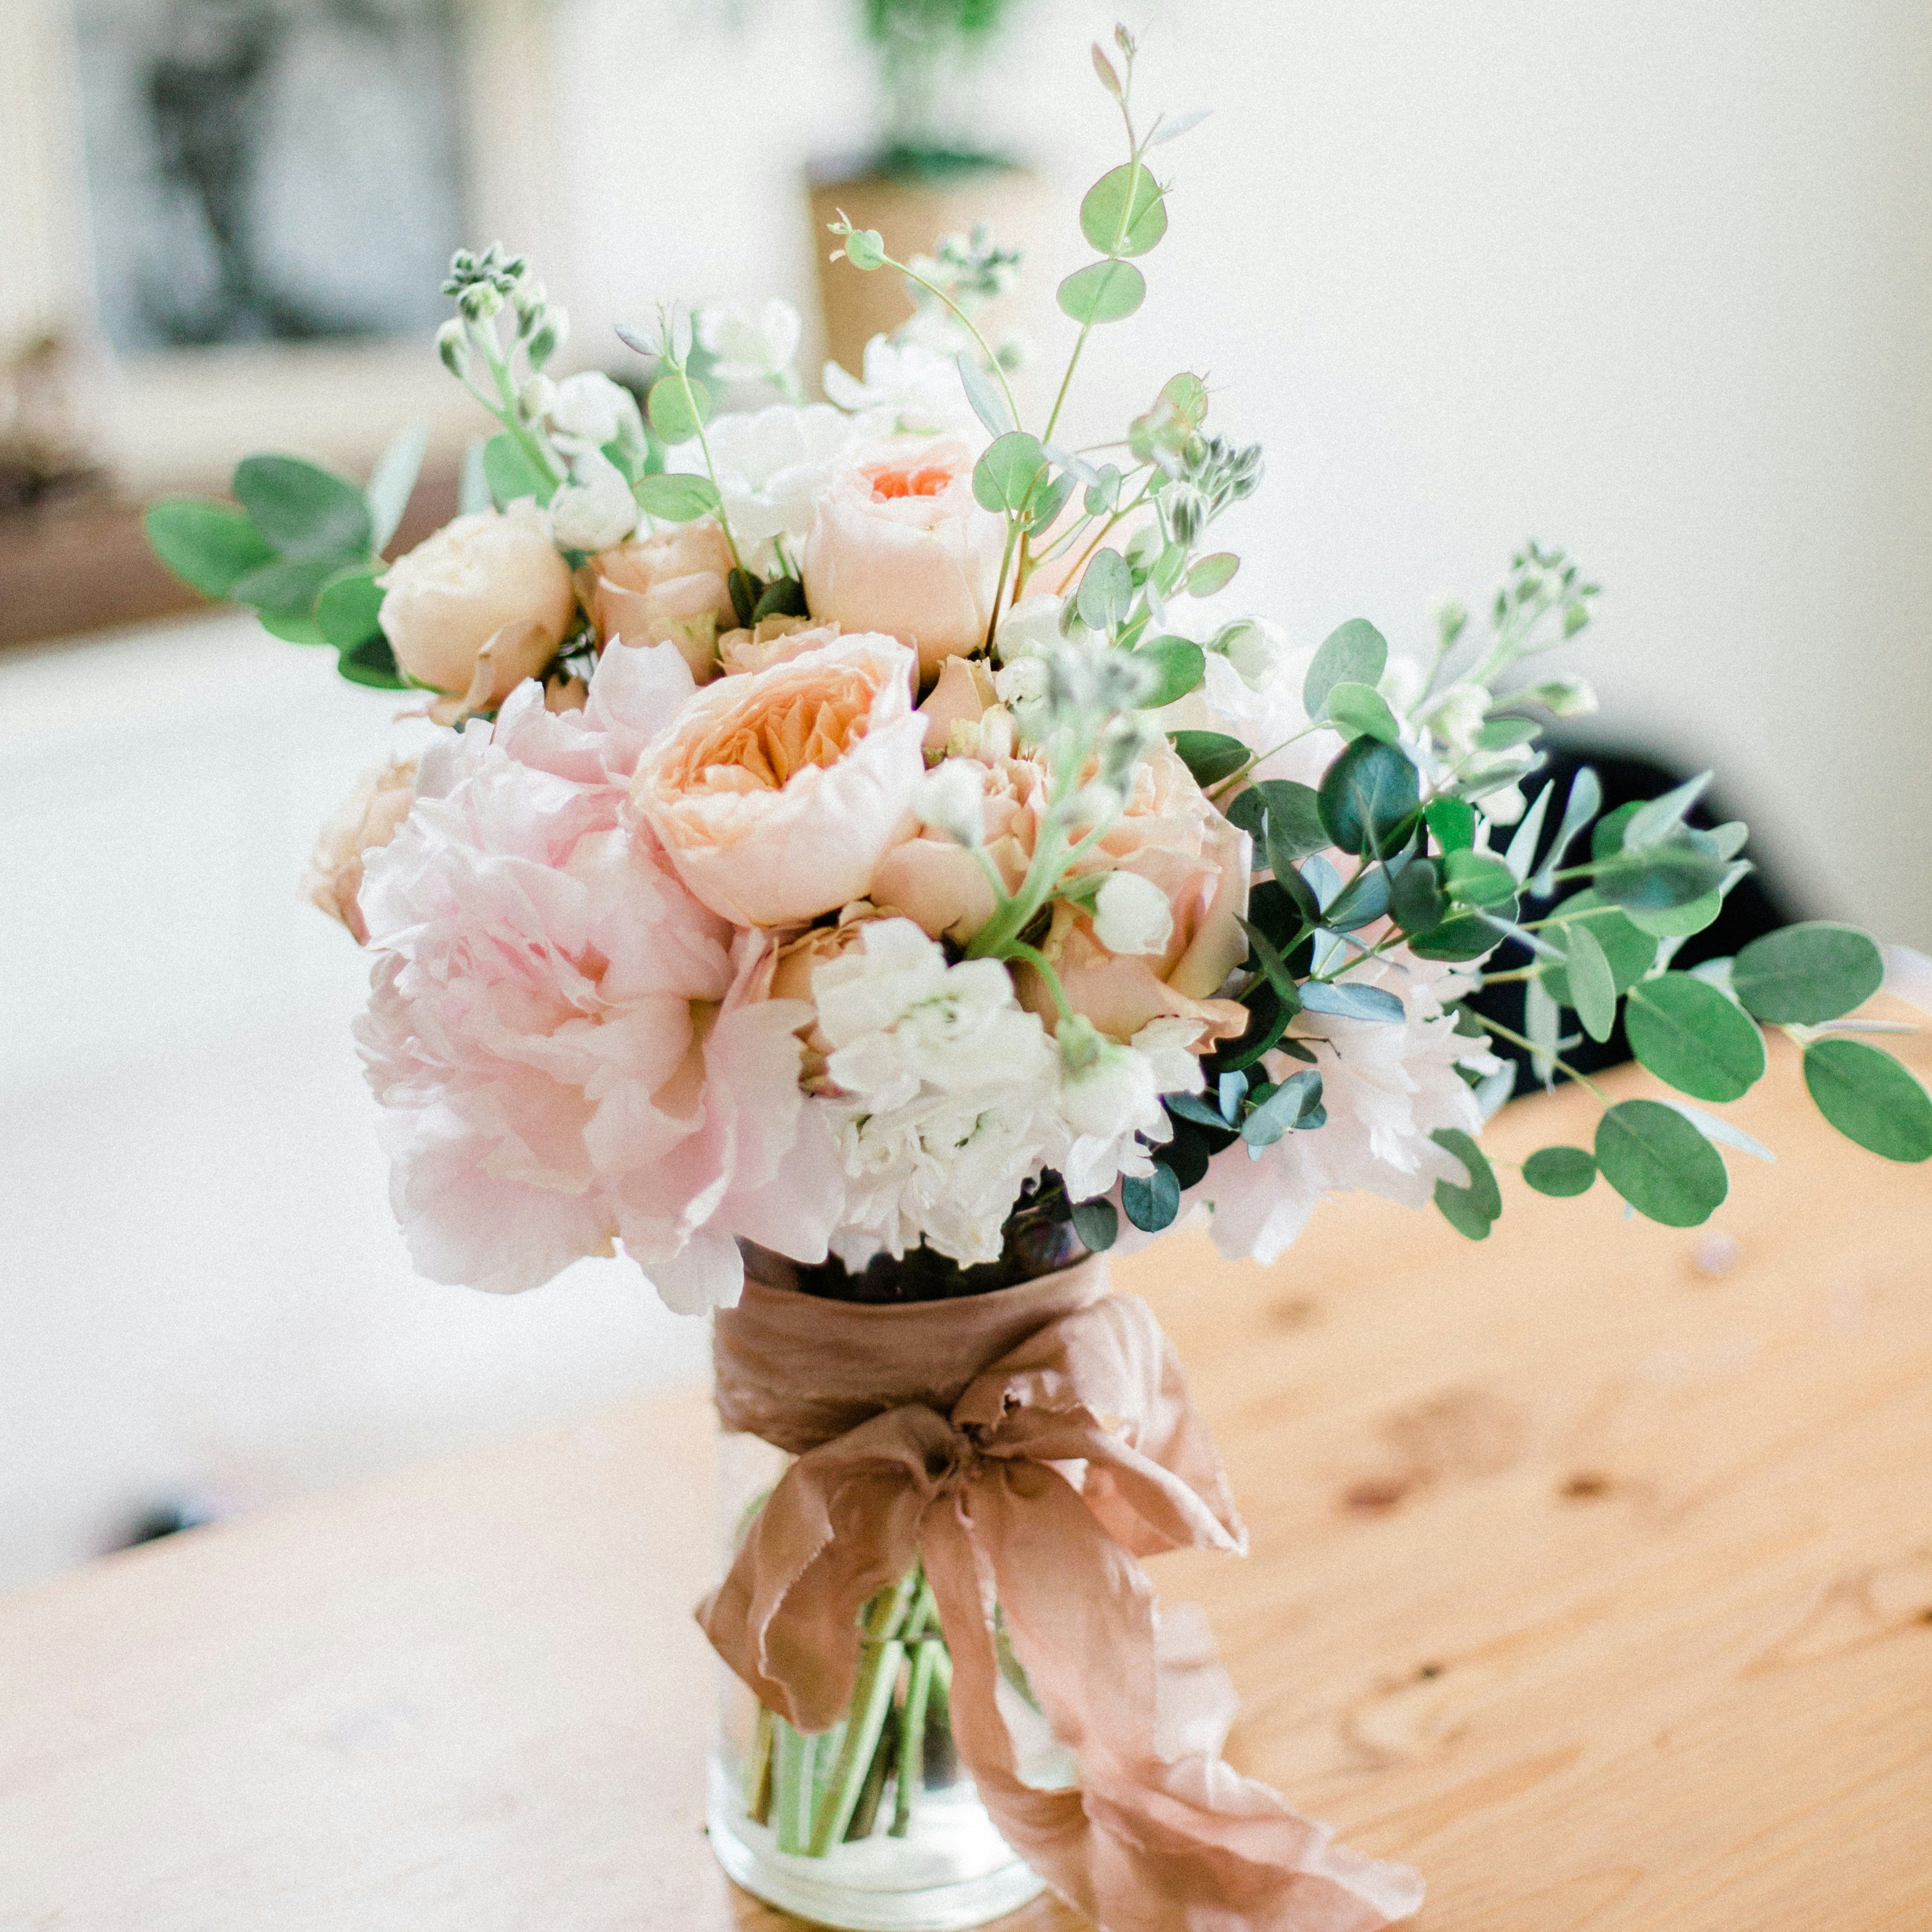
(480, 606)
(670, 589)
(364, 822)
(774, 794)
(899, 545)
(1169, 834)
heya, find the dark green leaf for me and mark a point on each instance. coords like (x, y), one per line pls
(1688, 1034)
(303, 510)
(1210, 756)
(1102, 292)
(1416, 899)
(209, 546)
(346, 611)
(1294, 830)
(1870, 1098)
(783, 597)
(1658, 877)
(1661, 1164)
(1477, 879)
(1631, 953)
(288, 589)
(671, 498)
(293, 626)
(512, 474)
(1369, 797)
(1186, 1153)
(1804, 975)
(1097, 1223)
(1606, 837)
(1471, 1209)
(1151, 1204)
(1560, 1171)
(1124, 213)
(1178, 667)
(1270, 1016)
(1593, 992)
(1293, 1104)
(746, 590)
(1355, 652)
(1004, 476)
(1453, 820)
(1361, 903)
(1268, 957)
(1468, 936)
(372, 662)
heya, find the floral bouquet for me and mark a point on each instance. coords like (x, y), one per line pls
(867, 871)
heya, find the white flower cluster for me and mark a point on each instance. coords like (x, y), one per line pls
(950, 1096)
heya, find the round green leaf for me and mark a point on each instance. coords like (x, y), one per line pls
(865, 248)
(209, 546)
(1097, 1223)
(1468, 936)
(288, 590)
(1661, 1164)
(1211, 756)
(1678, 921)
(1688, 1034)
(1453, 822)
(512, 473)
(1362, 711)
(1355, 652)
(1102, 292)
(1659, 877)
(1294, 828)
(1592, 991)
(672, 414)
(1804, 975)
(1560, 1171)
(1477, 878)
(1178, 666)
(1870, 1098)
(1416, 900)
(346, 609)
(1151, 1204)
(673, 498)
(1207, 574)
(372, 662)
(1106, 590)
(1004, 476)
(1631, 953)
(303, 510)
(1471, 1209)
(1369, 797)
(1125, 212)
(1607, 836)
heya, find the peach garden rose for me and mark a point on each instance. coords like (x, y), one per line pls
(670, 589)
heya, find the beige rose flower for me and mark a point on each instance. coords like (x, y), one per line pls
(369, 817)
(963, 696)
(772, 640)
(792, 967)
(1169, 834)
(775, 794)
(670, 589)
(480, 606)
(899, 545)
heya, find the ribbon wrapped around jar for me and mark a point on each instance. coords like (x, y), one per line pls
(1025, 1448)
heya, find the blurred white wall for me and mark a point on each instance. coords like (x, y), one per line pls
(1652, 281)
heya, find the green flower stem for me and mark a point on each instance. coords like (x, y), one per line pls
(1582, 1080)
(508, 415)
(1000, 588)
(1227, 785)
(710, 468)
(866, 1814)
(912, 1727)
(965, 322)
(871, 1700)
(758, 1771)
(1038, 961)
(791, 1786)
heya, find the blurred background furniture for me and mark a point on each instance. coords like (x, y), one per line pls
(1598, 1590)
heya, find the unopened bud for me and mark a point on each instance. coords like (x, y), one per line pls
(452, 344)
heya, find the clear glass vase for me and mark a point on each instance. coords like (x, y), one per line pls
(873, 1824)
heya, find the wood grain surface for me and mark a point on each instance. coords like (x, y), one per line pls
(1592, 1573)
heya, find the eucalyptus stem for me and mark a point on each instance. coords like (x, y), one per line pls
(1562, 1065)
(710, 468)
(871, 1700)
(912, 1719)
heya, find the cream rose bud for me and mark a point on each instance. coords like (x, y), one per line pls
(489, 580)
(1131, 915)
(776, 794)
(368, 818)
(670, 588)
(899, 545)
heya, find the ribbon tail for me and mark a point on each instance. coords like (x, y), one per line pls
(1149, 1842)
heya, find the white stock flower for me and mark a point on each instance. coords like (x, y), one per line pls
(773, 465)
(1131, 914)
(1456, 715)
(1030, 629)
(952, 797)
(1110, 1099)
(1257, 649)
(1563, 697)
(594, 509)
(916, 386)
(589, 410)
(749, 348)
(947, 1095)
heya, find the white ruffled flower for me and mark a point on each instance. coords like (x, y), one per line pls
(594, 509)
(1257, 649)
(1029, 630)
(589, 410)
(916, 386)
(953, 797)
(1456, 716)
(1386, 1087)
(947, 1099)
(1110, 1099)
(748, 348)
(1131, 915)
(773, 465)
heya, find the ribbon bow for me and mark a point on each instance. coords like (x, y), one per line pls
(1056, 1466)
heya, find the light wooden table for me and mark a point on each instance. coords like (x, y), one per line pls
(1592, 1573)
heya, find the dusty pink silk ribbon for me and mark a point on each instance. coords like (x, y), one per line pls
(1027, 1446)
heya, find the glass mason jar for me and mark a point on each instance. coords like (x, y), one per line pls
(874, 1825)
